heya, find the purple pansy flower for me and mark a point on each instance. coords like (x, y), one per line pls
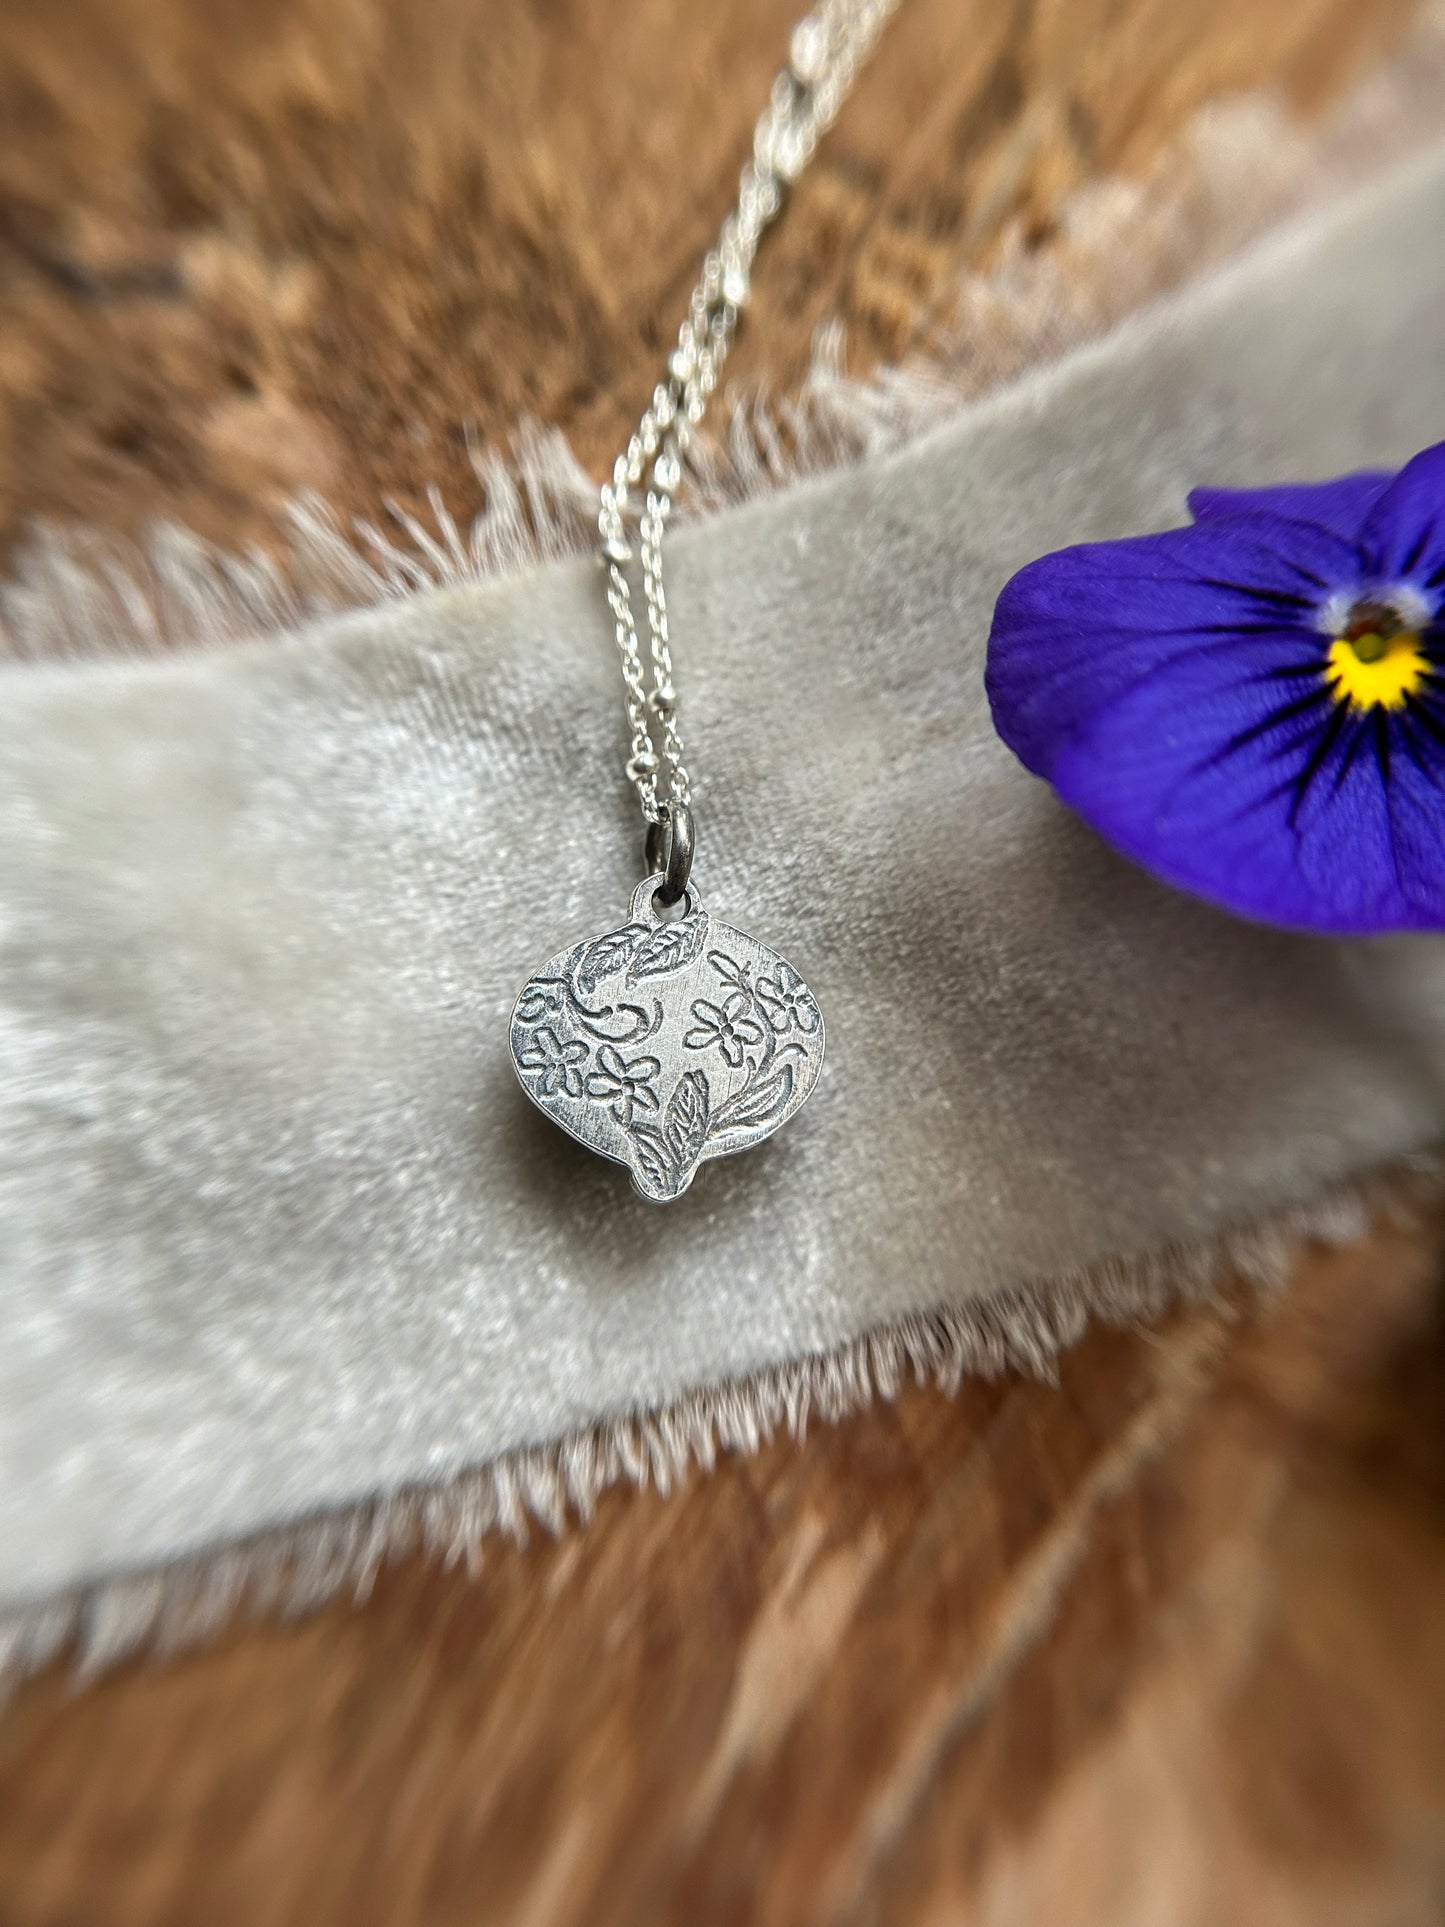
(1253, 707)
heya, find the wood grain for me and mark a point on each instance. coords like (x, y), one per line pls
(1158, 1645)
(253, 246)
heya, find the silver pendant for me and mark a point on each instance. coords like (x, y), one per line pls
(666, 1043)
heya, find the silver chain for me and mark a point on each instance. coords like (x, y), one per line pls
(827, 48)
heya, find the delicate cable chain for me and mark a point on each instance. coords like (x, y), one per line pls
(827, 48)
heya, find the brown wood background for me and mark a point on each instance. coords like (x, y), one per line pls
(1162, 1644)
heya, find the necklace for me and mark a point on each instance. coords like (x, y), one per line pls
(676, 1038)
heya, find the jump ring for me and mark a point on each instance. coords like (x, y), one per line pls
(669, 849)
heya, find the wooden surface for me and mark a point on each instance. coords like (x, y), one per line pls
(1159, 1645)
(251, 246)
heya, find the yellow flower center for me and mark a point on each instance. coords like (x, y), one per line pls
(1377, 662)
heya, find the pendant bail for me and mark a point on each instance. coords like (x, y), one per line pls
(669, 848)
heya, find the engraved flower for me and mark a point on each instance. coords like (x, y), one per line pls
(557, 1062)
(547, 997)
(625, 1082)
(787, 1001)
(727, 1027)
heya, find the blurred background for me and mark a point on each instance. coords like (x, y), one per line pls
(1161, 1643)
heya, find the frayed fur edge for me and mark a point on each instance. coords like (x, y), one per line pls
(1239, 165)
(295, 1569)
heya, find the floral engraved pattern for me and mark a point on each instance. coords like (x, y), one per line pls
(739, 975)
(728, 1027)
(787, 1002)
(558, 1062)
(625, 1084)
(608, 955)
(671, 947)
(614, 1041)
(543, 998)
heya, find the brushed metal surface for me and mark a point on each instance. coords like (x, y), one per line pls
(668, 1041)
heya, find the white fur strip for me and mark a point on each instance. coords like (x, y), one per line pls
(554, 1486)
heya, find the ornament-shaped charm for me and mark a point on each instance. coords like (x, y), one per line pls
(667, 1042)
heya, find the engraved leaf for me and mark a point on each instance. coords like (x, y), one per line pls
(730, 970)
(607, 955)
(685, 1125)
(654, 1162)
(758, 1105)
(672, 946)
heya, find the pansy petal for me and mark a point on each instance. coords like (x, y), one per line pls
(1075, 630)
(1340, 505)
(1403, 537)
(1417, 804)
(1269, 799)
